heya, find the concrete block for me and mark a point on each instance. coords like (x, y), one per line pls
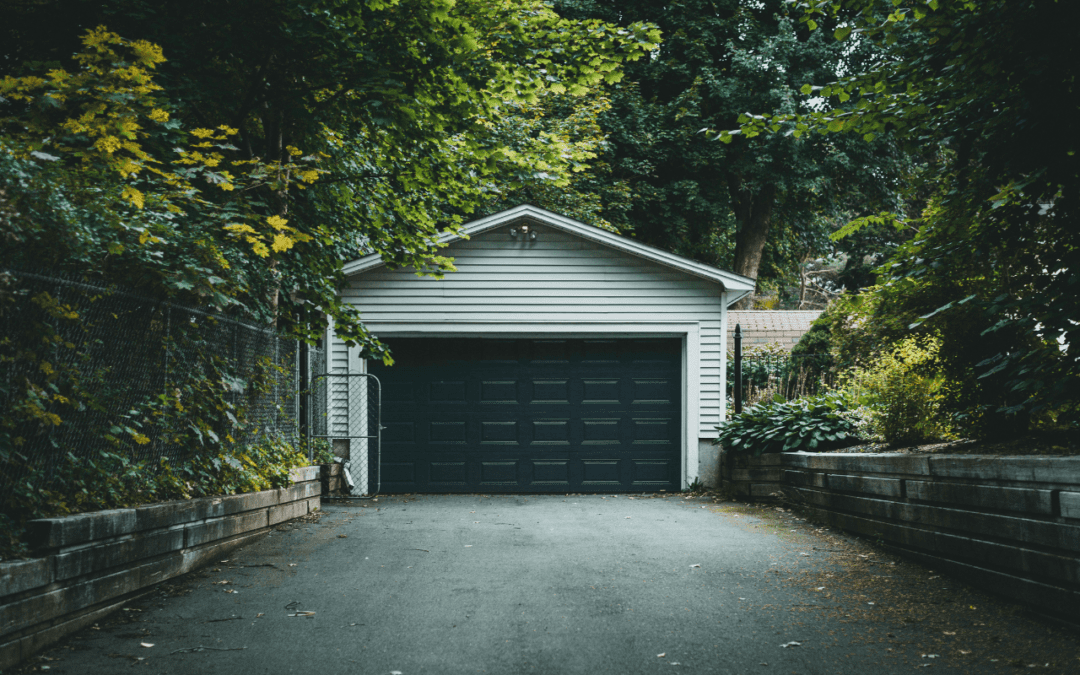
(1053, 470)
(196, 534)
(304, 473)
(166, 514)
(25, 646)
(1042, 565)
(875, 463)
(212, 552)
(737, 489)
(328, 470)
(1043, 533)
(17, 576)
(299, 491)
(123, 551)
(771, 475)
(886, 487)
(708, 472)
(249, 501)
(70, 530)
(1047, 598)
(803, 478)
(1023, 500)
(764, 490)
(283, 512)
(44, 607)
(1070, 504)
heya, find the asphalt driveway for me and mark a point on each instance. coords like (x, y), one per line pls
(558, 585)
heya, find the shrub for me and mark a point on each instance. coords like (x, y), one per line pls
(906, 393)
(813, 423)
(113, 480)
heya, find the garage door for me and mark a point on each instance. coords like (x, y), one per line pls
(474, 415)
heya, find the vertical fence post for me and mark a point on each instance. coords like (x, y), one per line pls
(738, 369)
(303, 381)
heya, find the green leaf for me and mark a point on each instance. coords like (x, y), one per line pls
(807, 89)
(842, 33)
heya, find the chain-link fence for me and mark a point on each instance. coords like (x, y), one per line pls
(346, 410)
(86, 368)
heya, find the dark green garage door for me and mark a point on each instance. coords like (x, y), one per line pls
(476, 415)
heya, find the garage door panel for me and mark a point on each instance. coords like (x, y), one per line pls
(551, 473)
(448, 474)
(465, 415)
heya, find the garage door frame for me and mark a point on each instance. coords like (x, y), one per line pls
(688, 332)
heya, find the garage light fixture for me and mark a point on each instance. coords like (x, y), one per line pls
(524, 231)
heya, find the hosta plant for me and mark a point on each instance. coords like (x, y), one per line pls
(812, 423)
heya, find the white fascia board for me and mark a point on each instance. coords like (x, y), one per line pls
(736, 285)
(732, 298)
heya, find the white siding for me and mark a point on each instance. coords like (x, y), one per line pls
(561, 279)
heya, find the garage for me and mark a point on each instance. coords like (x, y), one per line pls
(558, 357)
(521, 415)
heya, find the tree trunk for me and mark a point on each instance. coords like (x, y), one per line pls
(753, 213)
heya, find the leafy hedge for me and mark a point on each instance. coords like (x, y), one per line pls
(113, 480)
(814, 423)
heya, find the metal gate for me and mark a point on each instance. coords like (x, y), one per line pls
(346, 409)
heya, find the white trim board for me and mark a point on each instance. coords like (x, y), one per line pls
(736, 286)
(691, 348)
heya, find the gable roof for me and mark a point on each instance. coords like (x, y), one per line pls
(736, 284)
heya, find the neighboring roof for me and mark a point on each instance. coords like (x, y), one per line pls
(736, 284)
(772, 320)
(778, 326)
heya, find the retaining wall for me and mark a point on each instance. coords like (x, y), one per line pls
(1008, 524)
(91, 564)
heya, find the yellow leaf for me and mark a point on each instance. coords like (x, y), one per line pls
(282, 243)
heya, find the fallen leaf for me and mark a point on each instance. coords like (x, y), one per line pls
(791, 644)
(342, 536)
(259, 614)
(308, 614)
(695, 565)
(146, 644)
(468, 545)
(222, 582)
(965, 652)
(949, 632)
(661, 655)
(628, 517)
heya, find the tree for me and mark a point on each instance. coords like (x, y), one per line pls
(995, 263)
(393, 104)
(758, 205)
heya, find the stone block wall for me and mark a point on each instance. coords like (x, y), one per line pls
(1008, 524)
(91, 564)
